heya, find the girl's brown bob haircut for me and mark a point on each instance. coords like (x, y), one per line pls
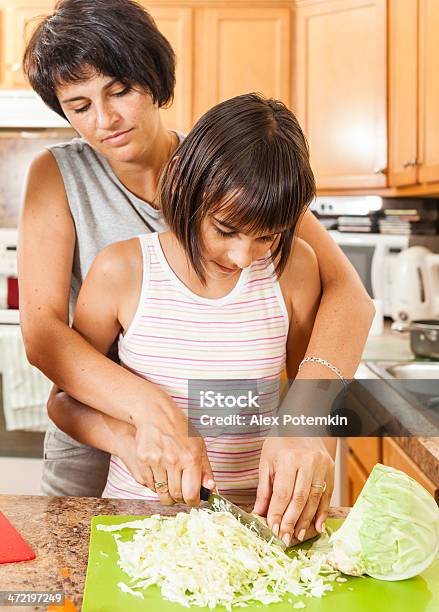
(248, 159)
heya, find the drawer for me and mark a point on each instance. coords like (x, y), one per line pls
(367, 451)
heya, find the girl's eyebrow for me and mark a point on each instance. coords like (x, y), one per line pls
(230, 227)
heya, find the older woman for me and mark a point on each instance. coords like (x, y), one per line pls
(104, 66)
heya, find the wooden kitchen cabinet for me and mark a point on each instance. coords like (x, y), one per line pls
(428, 154)
(394, 456)
(176, 24)
(18, 20)
(367, 451)
(356, 477)
(241, 49)
(403, 92)
(413, 92)
(341, 90)
(222, 49)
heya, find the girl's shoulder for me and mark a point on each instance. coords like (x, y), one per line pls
(120, 262)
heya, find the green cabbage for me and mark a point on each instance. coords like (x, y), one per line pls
(211, 559)
(391, 533)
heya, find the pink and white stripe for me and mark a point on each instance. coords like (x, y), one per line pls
(177, 336)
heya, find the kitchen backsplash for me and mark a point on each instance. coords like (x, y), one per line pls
(17, 150)
(431, 242)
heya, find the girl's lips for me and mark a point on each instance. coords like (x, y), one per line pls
(118, 137)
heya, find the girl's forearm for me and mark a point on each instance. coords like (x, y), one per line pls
(86, 424)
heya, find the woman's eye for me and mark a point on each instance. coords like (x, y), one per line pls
(82, 109)
(224, 234)
(123, 92)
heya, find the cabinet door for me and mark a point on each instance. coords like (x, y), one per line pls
(241, 50)
(394, 456)
(356, 478)
(20, 21)
(341, 90)
(428, 91)
(403, 92)
(367, 450)
(176, 25)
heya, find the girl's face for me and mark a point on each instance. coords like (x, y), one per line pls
(119, 121)
(227, 250)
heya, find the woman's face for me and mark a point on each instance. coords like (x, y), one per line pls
(119, 121)
(227, 250)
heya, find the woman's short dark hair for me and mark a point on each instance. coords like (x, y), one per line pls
(117, 38)
(248, 158)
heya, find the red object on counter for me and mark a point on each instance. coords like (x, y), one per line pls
(12, 546)
(13, 292)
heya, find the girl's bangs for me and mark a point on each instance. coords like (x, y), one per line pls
(255, 209)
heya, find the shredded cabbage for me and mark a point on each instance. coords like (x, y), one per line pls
(392, 531)
(207, 558)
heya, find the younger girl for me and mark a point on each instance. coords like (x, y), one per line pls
(227, 293)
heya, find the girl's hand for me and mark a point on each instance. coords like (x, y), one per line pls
(287, 469)
(166, 453)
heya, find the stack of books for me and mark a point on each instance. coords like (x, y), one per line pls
(420, 220)
(364, 224)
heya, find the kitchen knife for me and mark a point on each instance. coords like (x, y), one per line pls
(218, 503)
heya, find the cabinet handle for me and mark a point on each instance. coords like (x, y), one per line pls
(410, 163)
(16, 66)
(380, 170)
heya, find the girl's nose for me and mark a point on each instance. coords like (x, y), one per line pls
(241, 257)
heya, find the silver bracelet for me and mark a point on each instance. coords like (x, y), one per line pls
(325, 363)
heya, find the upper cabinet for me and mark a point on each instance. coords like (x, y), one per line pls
(222, 49)
(362, 76)
(367, 93)
(17, 22)
(403, 92)
(242, 49)
(341, 90)
(414, 93)
(176, 24)
(428, 136)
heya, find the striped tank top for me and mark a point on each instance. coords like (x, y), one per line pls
(177, 336)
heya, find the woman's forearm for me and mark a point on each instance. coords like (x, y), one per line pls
(340, 331)
(346, 311)
(89, 376)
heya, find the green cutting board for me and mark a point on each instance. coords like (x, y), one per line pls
(420, 594)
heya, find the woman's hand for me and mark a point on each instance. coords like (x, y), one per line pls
(287, 469)
(167, 452)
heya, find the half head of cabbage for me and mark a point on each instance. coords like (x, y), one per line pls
(392, 531)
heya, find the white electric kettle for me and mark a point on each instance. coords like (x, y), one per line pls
(415, 291)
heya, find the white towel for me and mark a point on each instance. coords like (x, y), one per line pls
(25, 389)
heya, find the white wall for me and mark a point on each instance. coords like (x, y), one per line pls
(20, 476)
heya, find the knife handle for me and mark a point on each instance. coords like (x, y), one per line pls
(204, 493)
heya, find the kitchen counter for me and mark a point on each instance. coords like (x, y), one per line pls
(389, 346)
(58, 530)
(394, 347)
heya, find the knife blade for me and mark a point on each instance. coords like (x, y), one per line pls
(218, 503)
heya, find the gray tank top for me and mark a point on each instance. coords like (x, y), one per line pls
(103, 209)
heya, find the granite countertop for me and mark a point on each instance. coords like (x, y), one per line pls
(58, 530)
